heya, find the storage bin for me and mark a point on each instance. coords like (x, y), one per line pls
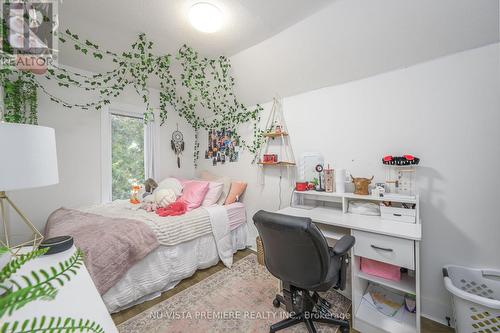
(380, 269)
(400, 214)
(476, 298)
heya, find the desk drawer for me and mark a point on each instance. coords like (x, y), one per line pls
(399, 214)
(391, 250)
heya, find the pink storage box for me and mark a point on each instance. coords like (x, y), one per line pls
(380, 269)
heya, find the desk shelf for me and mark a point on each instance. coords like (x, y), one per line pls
(370, 320)
(336, 217)
(388, 197)
(329, 211)
(406, 284)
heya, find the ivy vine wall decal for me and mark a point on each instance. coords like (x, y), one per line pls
(204, 84)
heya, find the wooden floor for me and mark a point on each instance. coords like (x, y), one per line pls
(201, 274)
(428, 326)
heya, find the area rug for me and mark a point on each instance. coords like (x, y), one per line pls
(232, 300)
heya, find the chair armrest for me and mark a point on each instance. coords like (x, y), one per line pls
(343, 245)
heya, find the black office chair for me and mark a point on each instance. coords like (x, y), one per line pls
(296, 252)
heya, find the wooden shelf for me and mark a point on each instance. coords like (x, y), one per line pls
(274, 135)
(277, 163)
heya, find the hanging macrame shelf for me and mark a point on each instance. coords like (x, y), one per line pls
(276, 163)
(275, 135)
(276, 129)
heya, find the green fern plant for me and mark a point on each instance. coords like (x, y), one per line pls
(51, 325)
(16, 263)
(39, 285)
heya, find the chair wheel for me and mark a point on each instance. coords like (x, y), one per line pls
(276, 303)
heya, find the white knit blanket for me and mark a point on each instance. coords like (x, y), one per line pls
(170, 230)
(222, 233)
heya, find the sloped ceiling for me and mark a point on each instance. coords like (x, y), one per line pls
(285, 47)
(354, 39)
(115, 24)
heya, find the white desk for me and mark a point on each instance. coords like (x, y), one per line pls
(393, 242)
(76, 299)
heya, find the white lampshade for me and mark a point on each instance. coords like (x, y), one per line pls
(28, 156)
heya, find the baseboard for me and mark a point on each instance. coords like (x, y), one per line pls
(436, 311)
(437, 320)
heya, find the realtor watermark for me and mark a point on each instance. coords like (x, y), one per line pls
(237, 315)
(29, 33)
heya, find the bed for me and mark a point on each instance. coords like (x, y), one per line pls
(179, 254)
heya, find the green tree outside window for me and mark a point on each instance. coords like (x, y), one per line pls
(127, 140)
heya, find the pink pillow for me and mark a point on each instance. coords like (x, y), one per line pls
(193, 193)
(237, 189)
(213, 194)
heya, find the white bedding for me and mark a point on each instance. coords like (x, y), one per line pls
(163, 268)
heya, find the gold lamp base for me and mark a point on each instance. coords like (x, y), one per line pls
(37, 237)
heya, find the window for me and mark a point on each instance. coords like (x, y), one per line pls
(130, 150)
(127, 153)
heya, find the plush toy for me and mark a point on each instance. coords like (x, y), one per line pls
(150, 185)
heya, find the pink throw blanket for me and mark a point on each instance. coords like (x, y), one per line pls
(174, 209)
(111, 245)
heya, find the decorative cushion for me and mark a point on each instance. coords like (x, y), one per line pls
(237, 189)
(226, 181)
(164, 197)
(171, 183)
(225, 189)
(194, 193)
(213, 194)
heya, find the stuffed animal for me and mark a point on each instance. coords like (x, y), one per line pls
(150, 185)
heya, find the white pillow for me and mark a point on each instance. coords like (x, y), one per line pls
(213, 194)
(171, 183)
(225, 189)
(226, 181)
(164, 197)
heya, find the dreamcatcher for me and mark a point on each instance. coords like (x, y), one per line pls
(177, 144)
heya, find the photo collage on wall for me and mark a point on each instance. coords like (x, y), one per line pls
(223, 146)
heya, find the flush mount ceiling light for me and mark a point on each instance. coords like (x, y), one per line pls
(205, 17)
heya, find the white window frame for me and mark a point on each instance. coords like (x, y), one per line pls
(106, 154)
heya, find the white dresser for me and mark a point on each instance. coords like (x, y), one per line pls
(392, 238)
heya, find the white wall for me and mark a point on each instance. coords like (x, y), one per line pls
(447, 112)
(78, 140)
(353, 39)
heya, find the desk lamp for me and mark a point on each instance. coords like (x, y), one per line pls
(28, 159)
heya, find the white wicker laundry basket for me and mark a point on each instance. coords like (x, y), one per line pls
(476, 298)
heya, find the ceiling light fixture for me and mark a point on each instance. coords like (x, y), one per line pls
(205, 17)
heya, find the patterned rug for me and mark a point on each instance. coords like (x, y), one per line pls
(232, 300)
